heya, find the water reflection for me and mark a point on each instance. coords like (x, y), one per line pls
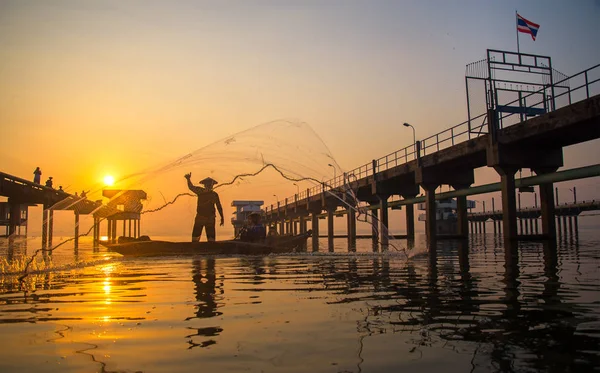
(208, 291)
(537, 313)
(537, 331)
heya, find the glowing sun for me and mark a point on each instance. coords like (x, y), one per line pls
(109, 180)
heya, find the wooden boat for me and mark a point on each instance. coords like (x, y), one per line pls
(146, 247)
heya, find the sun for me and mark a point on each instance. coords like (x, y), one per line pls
(109, 180)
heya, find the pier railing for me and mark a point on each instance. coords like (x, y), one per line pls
(587, 85)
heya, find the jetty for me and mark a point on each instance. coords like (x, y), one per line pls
(527, 132)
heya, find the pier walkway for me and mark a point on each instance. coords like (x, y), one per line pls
(451, 156)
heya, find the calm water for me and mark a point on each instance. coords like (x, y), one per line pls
(325, 312)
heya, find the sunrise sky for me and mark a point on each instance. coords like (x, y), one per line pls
(96, 88)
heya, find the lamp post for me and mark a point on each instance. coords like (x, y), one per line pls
(413, 130)
(297, 189)
(334, 171)
(276, 198)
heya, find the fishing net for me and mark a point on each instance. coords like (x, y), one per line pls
(275, 159)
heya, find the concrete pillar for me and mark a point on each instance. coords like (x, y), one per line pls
(535, 223)
(109, 229)
(461, 207)
(521, 231)
(430, 211)
(509, 204)
(96, 230)
(45, 228)
(351, 221)
(558, 227)
(76, 243)
(383, 222)
(315, 231)
(124, 233)
(576, 224)
(129, 233)
(114, 230)
(547, 210)
(302, 224)
(15, 216)
(50, 226)
(139, 224)
(295, 227)
(410, 221)
(530, 226)
(495, 230)
(571, 226)
(565, 224)
(375, 230)
(330, 229)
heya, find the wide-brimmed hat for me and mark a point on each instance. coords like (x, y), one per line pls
(208, 181)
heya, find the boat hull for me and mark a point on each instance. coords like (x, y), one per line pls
(272, 245)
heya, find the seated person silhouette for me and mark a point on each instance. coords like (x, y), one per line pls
(255, 231)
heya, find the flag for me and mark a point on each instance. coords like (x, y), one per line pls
(527, 27)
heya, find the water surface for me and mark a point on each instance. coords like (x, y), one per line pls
(93, 311)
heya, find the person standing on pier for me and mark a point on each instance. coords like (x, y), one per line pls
(49, 182)
(205, 209)
(37, 176)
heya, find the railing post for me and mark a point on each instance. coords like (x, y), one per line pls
(418, 155)
(587, 86)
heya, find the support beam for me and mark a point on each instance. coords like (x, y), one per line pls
(383, 222)
(509, 209)
(462, 222)
(547, 210)
(374, 229)
(315, 230)
(410, 221)
(330, 229)
(15, 216)
(430, 211)
(351, 216)
(76, 243)
(109, 229)
(50, 226)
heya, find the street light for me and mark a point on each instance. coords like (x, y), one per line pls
(276, 198)
(330, 165)
(413, 129)
(297, 189)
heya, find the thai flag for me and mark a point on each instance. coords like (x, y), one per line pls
(527, 27)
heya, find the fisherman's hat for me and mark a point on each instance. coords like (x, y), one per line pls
(208, 181)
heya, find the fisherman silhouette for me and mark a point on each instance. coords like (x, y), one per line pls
(49, 182)
(37, 175)
(205, 209)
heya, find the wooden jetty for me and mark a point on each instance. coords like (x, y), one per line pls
(23, 193)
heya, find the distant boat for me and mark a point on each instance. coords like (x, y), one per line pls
(272, 245)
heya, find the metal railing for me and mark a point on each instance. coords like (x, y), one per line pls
(456, 134)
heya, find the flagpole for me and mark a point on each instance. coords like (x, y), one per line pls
(517, 29)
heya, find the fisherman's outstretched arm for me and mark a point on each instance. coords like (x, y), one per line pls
(192, 187)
